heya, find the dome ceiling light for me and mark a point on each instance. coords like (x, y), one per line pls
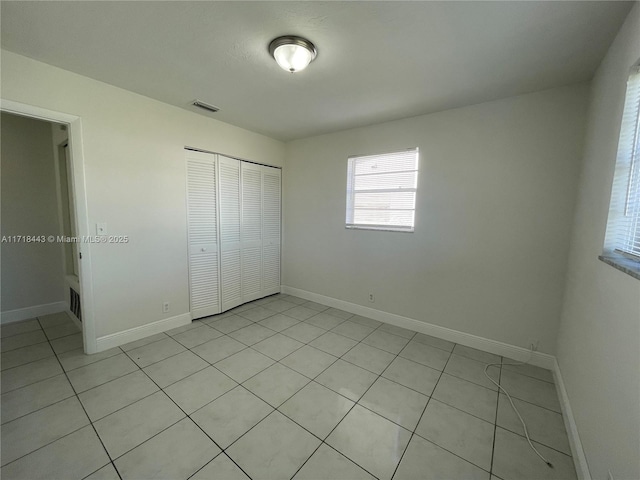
(292, 53)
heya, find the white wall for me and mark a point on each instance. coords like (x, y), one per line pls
(31, 272)
(135, 182)
(599, 338)
(495, 200)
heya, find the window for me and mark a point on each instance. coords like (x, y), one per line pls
(623, 228)
(381, 191)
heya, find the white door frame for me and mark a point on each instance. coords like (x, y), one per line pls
(78, 187)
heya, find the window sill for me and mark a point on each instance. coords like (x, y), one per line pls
(378, 229)
(622, 263)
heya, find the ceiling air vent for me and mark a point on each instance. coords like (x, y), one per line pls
(205, 106)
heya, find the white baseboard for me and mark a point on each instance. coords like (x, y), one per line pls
(120, 338)
(485, 344)
(579, 458)
(32, 312)
(492, 346)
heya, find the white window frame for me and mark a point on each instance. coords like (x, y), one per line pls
(623, 225)
(350, 223)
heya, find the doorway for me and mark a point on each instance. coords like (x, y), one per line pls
(71, 217)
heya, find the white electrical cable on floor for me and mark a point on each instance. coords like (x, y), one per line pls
(524, 425)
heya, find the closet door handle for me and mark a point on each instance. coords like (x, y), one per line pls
(203, 249)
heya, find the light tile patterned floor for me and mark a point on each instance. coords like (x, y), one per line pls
(280, 388)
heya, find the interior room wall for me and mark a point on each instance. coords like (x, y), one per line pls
(135, 183)
(495, 200)
(31, 272)
(599, 337)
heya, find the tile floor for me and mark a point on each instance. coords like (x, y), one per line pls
(279, 388)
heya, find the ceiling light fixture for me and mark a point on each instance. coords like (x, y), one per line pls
(292, 53)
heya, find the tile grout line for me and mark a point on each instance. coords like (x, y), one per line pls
(531, 403)
(227, 456)
(88, 364)
(277, 408)
(495, 424)
(85, 412)
(41, 329)
(160, 389)
(252, 393)
(414, 433)
(369, 371)
(459, 410)
(187, 415)
(536, 441)
(112, 460)
(421, 415)
(323, 440)
(228, 335)
(309, 457)
(345, 353)
(41, 408)
(29, 345)
(512, 370)
(222, 451)
(310, 380)
(250, 346)
(145, 441)
(32, 361)
(74, 431)
(32, 383)
(5, 325)
(356, 403)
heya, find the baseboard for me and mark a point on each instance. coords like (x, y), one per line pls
(485, 344)
(11, 316)
(579, 458)
(116, 339)
(492, 346)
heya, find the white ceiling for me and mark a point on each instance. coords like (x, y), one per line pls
(377, 61)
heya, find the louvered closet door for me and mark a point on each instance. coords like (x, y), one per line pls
(251, 231)
(230, 264)
(202, 234)
(271, 198)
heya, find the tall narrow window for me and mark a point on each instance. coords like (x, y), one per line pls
(381, 191)
(623, 228)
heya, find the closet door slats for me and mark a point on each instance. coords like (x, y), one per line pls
(251, 227)
(271, 199)
(202, 219)
(233, 213)
(230, 271)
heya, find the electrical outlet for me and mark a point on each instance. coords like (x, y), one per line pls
(165, 307)
(533, 345)
(372, 298)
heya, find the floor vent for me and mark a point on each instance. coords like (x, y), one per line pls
(74, 303)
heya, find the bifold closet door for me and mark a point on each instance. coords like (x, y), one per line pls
(271, 199)
(251, 231)
(202, 218)
(230, 257)
(233, 211)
